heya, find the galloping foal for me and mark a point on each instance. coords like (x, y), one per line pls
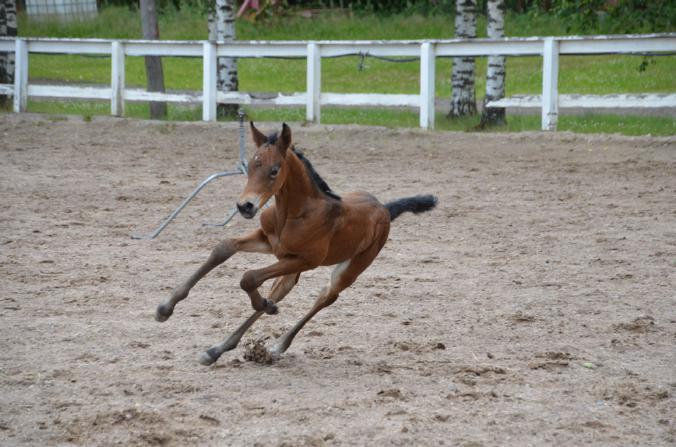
(307, 226)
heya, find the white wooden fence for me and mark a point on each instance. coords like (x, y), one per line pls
(550, 48)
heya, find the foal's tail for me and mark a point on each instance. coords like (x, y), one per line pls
(415, 204)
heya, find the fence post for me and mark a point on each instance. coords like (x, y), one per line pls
(117, 79)
(550, 84)
(314, 82)
(20, 75)
(427, 88)
(208, 81)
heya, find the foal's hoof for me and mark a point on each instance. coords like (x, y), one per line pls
(269, 307)
(208, 357)
(162, 313)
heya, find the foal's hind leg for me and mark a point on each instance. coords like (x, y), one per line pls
(342, 277)
(253, 242)
(281, 287)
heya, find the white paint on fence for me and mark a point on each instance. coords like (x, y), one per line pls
(647, 100)
(209, 81)
(20, 76)
(549, 48)
(369, 99)
(7, 45)
(314, 83)
(62, 91)
(550, 85)
(117, 79)
(295, 99)
(142, 95)
(427, 95)
(69, 46)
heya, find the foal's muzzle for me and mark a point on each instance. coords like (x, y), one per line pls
(247, 209)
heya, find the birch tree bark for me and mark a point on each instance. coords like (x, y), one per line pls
(222, 28)
(463, 97)
(8, 27)
(495, 73)
(154, 72)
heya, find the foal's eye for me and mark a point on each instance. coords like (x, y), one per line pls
(274, 172)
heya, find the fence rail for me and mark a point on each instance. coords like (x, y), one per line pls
(549, 48)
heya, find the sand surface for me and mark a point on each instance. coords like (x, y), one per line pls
(535, 306)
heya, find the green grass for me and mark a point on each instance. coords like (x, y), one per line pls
(578, 74)
(387, 117)
(626, 125)
(89, 108)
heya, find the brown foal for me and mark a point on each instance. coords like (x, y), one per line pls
(308, 226)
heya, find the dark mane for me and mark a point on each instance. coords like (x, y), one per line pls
(314, 175)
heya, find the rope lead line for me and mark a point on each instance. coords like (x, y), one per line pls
(364, 54)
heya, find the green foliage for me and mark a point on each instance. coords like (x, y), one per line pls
(389, 7)
(580, 15)
(631, 16)
(620, 17)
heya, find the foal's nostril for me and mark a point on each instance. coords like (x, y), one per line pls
(246, 209)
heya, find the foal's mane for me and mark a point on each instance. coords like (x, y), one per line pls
(314, 175)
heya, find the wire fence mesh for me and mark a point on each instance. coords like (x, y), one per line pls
(66, 10)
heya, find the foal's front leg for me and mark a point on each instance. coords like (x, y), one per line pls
(254, 242)
(280, 289)
(253, 279)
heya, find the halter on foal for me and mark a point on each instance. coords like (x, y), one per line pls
(308, 226)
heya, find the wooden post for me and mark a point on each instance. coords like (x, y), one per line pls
(314, 81)
(117, 79)
(427, 91)
(550, 84)
(209, 81)
(154, 71)
(20, 75)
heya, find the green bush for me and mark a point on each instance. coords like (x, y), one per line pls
(618, 17)
(579, 16)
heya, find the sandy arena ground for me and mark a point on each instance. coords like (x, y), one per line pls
(535, 306)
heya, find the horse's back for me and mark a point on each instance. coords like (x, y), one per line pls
(363, 223)
(364, 206)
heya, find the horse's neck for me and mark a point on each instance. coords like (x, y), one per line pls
(298, 187)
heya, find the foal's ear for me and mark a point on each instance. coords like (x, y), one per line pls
(284, 139)
(258, 137)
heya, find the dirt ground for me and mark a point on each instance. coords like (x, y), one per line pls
(535, 306)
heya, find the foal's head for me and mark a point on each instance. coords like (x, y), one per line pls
(267, 170)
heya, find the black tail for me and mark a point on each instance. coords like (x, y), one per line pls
(416, 205)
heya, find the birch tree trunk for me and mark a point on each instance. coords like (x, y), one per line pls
(222, 28)
(495, 74)
(154, 72)
(8, 27)
(463, 97)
